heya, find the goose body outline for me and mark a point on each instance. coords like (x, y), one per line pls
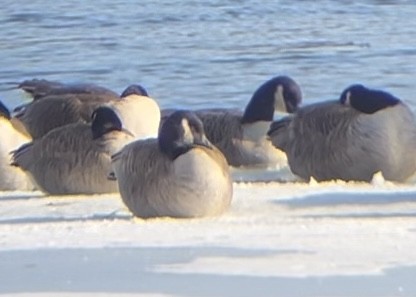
(180, 174)
(364, 132)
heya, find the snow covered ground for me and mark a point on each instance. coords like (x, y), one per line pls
(278, 239)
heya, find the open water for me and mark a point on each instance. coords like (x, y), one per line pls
(196, 54)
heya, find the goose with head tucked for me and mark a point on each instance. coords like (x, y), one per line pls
(41, 116)
(11, 178)
(76, 158)
(180, 174)
(139, 113)
(242, 136)
(365, 132)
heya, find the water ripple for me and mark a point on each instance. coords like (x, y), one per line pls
(179, 49)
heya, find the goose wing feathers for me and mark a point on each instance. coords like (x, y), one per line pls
(66, 161)
(40, 88)
(221, 125)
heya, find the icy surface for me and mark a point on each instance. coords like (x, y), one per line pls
(278, 239)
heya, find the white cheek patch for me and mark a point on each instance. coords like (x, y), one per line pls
(108, 125)
(187, 133)
(279, 99)
(348, 99)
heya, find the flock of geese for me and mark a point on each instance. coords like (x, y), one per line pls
(86, 139)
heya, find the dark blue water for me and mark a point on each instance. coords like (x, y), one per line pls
(210, 53)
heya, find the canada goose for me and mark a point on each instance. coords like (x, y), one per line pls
(40, 88)
(366, 131)
(41, 116)
(139, 113)
(180, 174)
(242, 137)
(76, 158)
(11, 178)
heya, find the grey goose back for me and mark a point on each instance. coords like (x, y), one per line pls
(41, 88)
(41, 116)
(364, 132)
(242, 136)
(76, 158)
(11, 178)
(179, 174)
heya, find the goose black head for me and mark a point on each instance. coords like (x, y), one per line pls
(367, 100)
(4, 111)
(181, 132)
(104, 120)
(134, 90)
(279, 93)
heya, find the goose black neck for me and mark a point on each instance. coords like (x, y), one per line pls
(367, 100)
(379, 100)
(261, 106)
(104, 121)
